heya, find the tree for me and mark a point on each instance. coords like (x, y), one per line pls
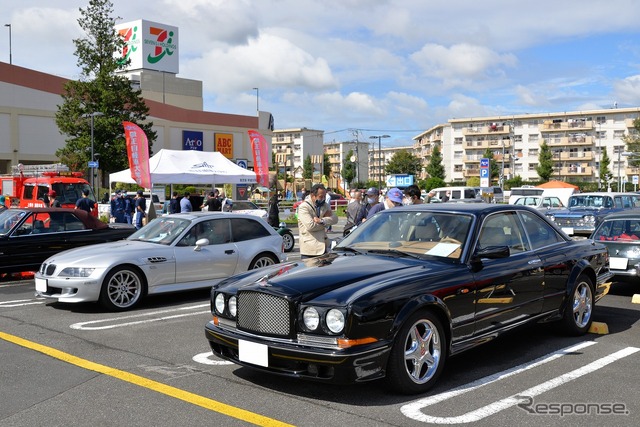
(474, 181)
(632, 141)
(545, 162)
(348, 169)
(99, 90)
(326, 165)
(435, 168)
(514, 182)
(307, 168)
(605, 175)
(403, 162)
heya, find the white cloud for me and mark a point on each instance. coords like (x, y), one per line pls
(627, 91)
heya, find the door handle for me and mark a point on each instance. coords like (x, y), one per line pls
(534, 261)
(229, 251)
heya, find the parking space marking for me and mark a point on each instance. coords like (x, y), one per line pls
(185, 396)
(115, 321)
(19, 303)
(414, 410)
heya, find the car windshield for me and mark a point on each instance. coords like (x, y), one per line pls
(438, 234)
(592, 201)
(619, 230)
(163, 230)
(9, 218)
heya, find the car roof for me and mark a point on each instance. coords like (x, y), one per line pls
(85, 217)
(605, 193)
(626, 214)
(470, 208)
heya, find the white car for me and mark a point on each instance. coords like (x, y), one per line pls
(172, 253)
(247, 207)
(540, 202)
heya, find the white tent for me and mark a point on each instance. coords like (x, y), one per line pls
(190, 167)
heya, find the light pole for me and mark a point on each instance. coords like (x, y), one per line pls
(92, 115)
(257, 100)
(379, 137)
(10, 59)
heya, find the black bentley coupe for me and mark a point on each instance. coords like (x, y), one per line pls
(408, 288)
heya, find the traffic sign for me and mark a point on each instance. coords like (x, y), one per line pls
(399, 180)
(242, 163)
(93, 164)
(484, 173)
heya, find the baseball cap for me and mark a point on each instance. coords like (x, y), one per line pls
(140, 192)
(373, 191)
(52, 193)
(395, 195)
(118, 191)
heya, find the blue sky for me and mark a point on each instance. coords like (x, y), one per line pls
(397, 67)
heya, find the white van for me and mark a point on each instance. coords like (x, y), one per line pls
(527, 190)
(457, 193)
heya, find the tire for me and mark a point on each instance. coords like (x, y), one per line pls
(578, 312)
(262, 260)
(418, 354)
(289, 241)
(122, 289)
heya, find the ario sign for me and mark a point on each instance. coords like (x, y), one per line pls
(150, 46)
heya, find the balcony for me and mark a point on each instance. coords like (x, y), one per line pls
(632, 171)
(487, 130)
(629, 123)
(573, 157)
(571, 125)
(577, 171)
(569, 140)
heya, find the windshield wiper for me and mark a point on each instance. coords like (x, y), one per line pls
(396, 252)
(347, 249)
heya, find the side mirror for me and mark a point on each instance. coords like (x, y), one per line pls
(200, 243)
(492, 252)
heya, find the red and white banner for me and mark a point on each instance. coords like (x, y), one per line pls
(138, 153)
(260, 157)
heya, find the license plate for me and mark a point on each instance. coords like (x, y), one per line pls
(254, 353)
(568, 230)
(617, 263)
(41, 285)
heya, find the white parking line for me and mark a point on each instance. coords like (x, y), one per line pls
(205, 359)
(116, 320)
(414, 410)
(19, 303)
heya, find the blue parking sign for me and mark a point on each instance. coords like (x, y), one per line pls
(484, 173)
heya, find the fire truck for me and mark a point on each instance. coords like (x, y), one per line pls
(27, 185)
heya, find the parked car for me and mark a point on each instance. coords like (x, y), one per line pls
(287, 236)
(620, 233)
(247, 207)
(543, 203)
(337, 200)
(404, 291)
(586, 210)
(28, 236)
(172, 253)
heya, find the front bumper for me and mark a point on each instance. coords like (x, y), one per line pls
(68, 289)
(293, 359)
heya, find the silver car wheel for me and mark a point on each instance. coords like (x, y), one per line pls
(289, 242)
(122, 289)
(422, 351)
(582, 305)
(262, 261)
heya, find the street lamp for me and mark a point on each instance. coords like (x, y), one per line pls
(379, 137)
(92, 115)
(10, 60)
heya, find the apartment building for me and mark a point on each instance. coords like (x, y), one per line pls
(577, 140)
(352, 151)
(292, 146)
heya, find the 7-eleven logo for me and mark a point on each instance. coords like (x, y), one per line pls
(129, 37)
(163, 44)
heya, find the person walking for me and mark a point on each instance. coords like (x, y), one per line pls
(85, 203)
(140, 204)
(185, 203)
(353, 210)
(314, 216)
(274, 211)
(117, 207)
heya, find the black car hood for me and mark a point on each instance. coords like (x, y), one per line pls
(310, 278)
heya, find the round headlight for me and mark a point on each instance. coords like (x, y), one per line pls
(551, 218)
(589, 218)
(311, 318)
(335, 320)
(233, 306)
(219, 303)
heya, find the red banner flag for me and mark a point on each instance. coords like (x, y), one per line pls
(138, 153)
(260, 157)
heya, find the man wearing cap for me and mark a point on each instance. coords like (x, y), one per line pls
(117, 207)
(372, 200)
(140, 204)
(392, 199)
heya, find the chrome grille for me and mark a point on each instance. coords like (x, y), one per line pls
(264, 313)
(47, 269)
